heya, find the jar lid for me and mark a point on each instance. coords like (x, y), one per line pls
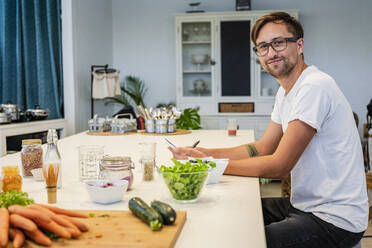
(116, 161)
(31, 142)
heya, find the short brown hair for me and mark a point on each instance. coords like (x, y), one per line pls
(293, 25)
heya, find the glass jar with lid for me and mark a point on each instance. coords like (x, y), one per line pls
(31, 156)
(11, 178)
(117, 168)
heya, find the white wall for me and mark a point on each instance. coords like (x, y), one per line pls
(137, 37)
(336, 36)
(91, 34)
(144, 42)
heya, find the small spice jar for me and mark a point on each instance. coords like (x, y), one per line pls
(148, 165)
(31, 156)
(117, 168)
(11, 178)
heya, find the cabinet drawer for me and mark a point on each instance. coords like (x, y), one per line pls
(264, 107)
(210, 123)
(205, 108)
(247, 124)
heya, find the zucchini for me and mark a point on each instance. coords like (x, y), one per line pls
(165, 210)
(144, 212)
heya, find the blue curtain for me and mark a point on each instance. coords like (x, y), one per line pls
(31, 54)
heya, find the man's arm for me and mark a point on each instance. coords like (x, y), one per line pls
(279, 164)
(264, 146)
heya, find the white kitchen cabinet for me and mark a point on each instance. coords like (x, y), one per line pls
(217, 70)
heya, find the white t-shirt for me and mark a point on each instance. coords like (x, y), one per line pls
(328, 179)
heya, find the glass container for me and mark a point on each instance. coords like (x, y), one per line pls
(117, 168)
(31, 156)
(148, 166)
(11, 178)
(232, 126)
(89, 160)
(52, 159)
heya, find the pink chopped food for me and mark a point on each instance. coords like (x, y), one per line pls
(102, 186)
(107, 185)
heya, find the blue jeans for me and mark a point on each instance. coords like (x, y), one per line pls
(286, 226)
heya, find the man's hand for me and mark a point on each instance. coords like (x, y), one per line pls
(186, 152)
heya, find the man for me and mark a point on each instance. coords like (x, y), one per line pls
(312, 135)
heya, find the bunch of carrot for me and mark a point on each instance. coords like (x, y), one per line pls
(18, 222)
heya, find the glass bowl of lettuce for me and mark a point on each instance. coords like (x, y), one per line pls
(185, 181)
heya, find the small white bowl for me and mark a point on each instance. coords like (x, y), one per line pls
(106, 195)
(216, 172)
(38, 174)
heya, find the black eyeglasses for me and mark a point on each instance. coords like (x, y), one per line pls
(278, 44)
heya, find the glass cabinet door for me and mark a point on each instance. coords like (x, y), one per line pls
(196, 59)
(269, 85)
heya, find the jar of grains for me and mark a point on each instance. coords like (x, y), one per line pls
(31, 155)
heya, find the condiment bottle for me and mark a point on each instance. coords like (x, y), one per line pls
(31, 156)
(11, 178)
(117, 168)
(52, 166)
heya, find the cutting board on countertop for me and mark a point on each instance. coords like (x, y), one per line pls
(121, 229)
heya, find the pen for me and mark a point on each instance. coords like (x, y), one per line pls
(195, 144)
(170, 143)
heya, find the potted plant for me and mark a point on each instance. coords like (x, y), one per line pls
(189, 119)
(133, 92)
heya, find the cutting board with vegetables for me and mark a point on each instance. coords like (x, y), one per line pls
(109, 228)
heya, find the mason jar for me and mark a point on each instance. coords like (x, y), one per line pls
(117, 168)
(31, 156)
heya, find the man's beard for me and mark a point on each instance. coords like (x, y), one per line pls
(286, 68)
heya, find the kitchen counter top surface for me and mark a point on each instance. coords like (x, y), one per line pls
(228, 214)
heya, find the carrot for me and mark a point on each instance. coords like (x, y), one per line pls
(74, 231)
(17, 236)
(39, 237)
(42, 209)
(71, 228)
(82, 227)
(22, 222)
(54, 228)
(64, 211)
(29, 213)
(4, 226)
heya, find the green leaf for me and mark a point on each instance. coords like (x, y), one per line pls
(14, 197)
(189, 119)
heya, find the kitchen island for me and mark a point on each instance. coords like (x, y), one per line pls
(228, 214)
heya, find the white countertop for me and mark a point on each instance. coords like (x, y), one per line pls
(228, 214)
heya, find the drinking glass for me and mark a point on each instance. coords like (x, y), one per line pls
(232, 126)
(89, 160)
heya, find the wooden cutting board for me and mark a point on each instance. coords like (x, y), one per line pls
(121, 229)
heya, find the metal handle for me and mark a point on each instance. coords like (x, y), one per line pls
(125, 114)
(212, 62)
